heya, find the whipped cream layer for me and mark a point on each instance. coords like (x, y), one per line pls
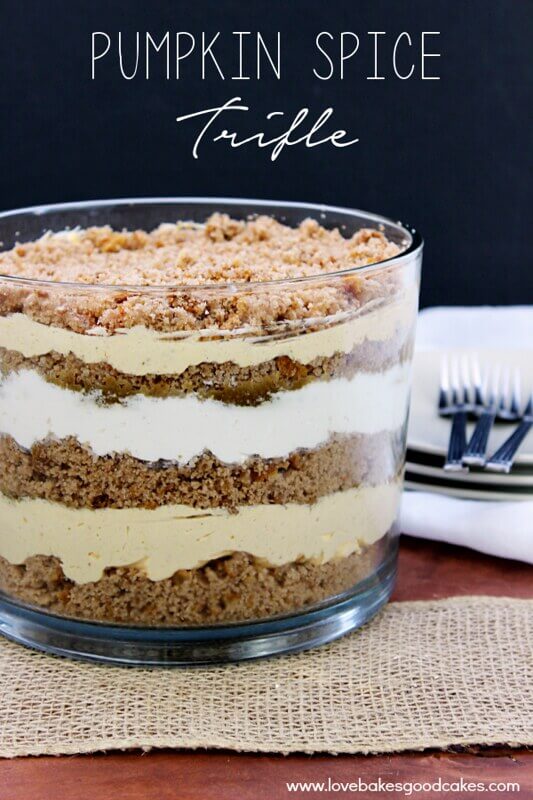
(179, 428)
(143, 351)
(168, 538)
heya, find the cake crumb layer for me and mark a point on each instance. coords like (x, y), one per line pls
(234, 588)
(68, 473)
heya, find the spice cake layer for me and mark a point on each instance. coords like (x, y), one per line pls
(229, 589)
(64, 471)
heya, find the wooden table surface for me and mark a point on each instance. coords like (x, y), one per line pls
(427, 571)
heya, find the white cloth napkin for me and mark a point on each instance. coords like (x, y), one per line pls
(497, 528)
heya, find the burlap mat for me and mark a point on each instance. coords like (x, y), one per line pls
(421, 675)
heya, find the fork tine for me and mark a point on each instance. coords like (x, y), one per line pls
(505, 384)
(476, 370)
(454, 380)
(444, 389)
(515, 402)
(466, 385)
(493, 379)
(487, 378)
(509, 402)
(479, 393)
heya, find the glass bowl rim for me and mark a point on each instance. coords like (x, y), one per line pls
(414, 247)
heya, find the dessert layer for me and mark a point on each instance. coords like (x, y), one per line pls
(220, 251)
(181, 428)
(143, 351)
(229, 589)
(169, 538)
(65, 472)
(121, 280)
(226, 382)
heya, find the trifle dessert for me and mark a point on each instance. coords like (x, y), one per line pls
(202, 421)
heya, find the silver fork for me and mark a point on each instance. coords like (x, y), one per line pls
(487, 402)
(503, 458)
(455, 400)
(499, 399)
(509, 405)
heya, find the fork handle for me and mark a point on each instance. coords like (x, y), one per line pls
(457, 443)
(476, 450)
(503, 458)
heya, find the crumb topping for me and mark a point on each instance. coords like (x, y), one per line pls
(223, 250)
(238, 258)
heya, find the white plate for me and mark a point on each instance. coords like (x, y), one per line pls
(467, 494)
(490, 479)
(429, 433)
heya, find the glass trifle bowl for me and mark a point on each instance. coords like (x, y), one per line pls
(203, 408)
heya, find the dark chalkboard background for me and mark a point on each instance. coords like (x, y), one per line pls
(452, 157)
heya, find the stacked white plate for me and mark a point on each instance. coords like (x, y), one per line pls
(428, 434)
